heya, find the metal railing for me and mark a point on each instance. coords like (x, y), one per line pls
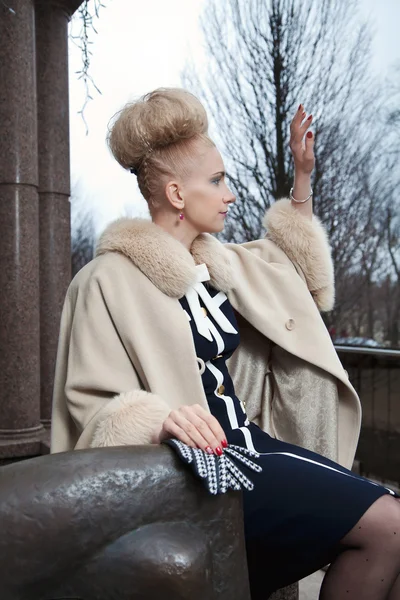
(375, 373)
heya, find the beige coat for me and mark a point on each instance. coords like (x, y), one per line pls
(126, 355)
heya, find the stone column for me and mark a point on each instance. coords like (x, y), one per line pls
(54, 183)
(20, 426)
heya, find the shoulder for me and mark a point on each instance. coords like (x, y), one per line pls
(263, 248)
(100, 273)
(257, 256)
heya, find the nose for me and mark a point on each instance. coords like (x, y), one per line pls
(230, 198)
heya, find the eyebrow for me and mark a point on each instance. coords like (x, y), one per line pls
(219, 173)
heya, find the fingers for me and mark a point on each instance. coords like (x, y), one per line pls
(301, 141)
(309, 146)
(298, 117)
(306, 125)
(172, 429)
(203, 428)
(300, 124)
(197, 430)
(194, 426)
(212, 423)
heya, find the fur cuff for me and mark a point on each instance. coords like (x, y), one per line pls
(131, 418)
(306, 244)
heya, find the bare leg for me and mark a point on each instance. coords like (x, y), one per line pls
(395, 591)
(369, 565)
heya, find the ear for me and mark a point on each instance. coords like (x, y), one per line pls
(174, 194)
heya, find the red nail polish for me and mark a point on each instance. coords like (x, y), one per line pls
(209, 450)
(309, 118)
(224, 444)
(218, 451)
(309, 134)
(299, 107)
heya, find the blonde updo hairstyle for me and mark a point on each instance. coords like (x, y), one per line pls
(158, 138)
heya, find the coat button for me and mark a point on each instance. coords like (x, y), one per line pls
(290, 324)
(202, 365)
(204, 311)
(221, 389)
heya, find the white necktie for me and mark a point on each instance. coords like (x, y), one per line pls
(192, 296)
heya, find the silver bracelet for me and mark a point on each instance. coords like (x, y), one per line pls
(299, 201)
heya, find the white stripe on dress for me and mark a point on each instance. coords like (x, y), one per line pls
(217, 336)
(230, 407)
(247, 438)
(213, 308)
(192, 296)
(207, 329)
(314, 462)
(220, 298)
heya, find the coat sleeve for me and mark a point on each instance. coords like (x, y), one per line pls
(306, 244)
(98, 394)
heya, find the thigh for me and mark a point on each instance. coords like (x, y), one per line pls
(301, 507)
(381, 522)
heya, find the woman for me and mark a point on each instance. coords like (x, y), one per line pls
(149, 326)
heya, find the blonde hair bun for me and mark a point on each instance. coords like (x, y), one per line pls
(158, 119)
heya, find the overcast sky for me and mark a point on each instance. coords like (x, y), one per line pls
(141, 46)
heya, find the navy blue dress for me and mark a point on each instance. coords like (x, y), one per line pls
(302, 503)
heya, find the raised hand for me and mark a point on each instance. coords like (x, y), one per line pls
(302, 142)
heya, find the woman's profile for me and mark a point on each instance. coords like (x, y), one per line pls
(169, 333)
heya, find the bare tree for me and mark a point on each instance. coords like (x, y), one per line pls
(86, 14)
(393, 282)
(83, 230)
(265, 57)
(83, 234)
(391, 226)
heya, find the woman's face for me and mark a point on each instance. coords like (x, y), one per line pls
(206, 194)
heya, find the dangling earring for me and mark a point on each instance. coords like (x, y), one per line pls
(181, 215)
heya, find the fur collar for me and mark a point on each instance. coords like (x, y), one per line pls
(163, 259)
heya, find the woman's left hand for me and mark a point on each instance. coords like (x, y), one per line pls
(302, 142)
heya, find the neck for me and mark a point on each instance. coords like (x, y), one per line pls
(180, 230)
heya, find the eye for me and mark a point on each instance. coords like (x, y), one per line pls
(216, 181)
